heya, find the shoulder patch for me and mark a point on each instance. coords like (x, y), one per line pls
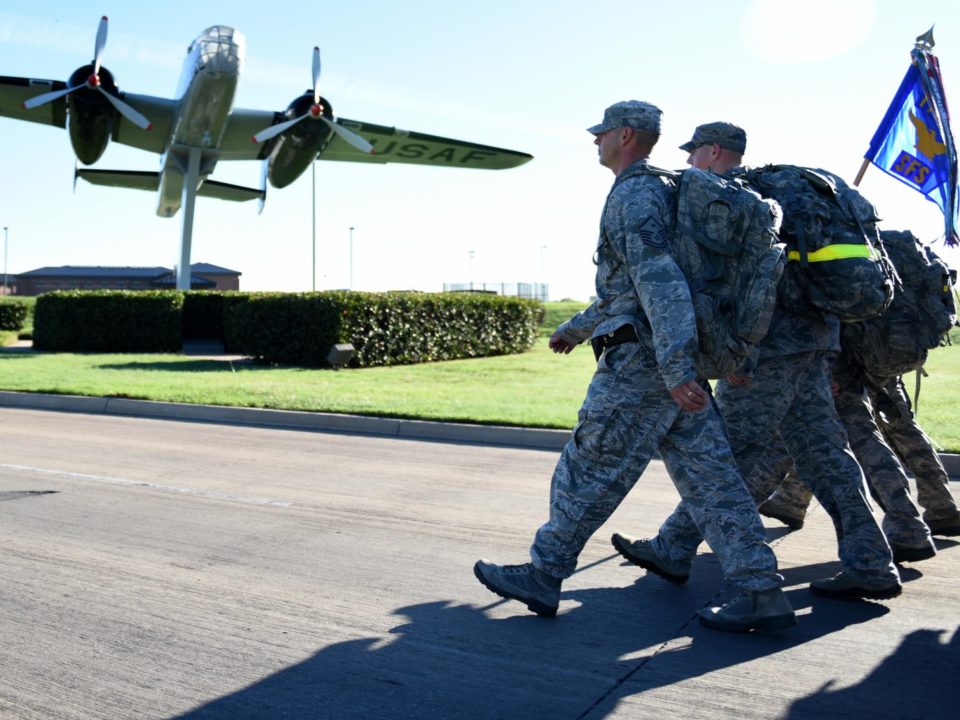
(652, 234)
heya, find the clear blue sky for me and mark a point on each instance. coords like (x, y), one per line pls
(808, 80)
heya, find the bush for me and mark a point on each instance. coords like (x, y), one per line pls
(204, 312)
(384, 328)
(108, 321)
(13, 315)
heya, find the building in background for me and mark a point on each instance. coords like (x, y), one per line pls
(531, 291)
(203, 276)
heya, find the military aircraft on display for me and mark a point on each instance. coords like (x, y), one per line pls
(199, 127)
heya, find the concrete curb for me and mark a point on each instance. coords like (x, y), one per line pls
(533, 438)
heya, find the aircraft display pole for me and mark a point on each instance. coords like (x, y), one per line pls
(313, 175)
(351, 258)
(189, 203)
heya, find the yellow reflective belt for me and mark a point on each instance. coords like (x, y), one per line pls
(834, 252)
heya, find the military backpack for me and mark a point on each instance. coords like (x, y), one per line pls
(836, 263)
(724, 239)
(921, 314)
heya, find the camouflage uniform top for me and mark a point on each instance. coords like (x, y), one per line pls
(638, 283)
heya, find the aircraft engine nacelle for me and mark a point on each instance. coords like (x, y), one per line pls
(298, 146)
(90, 116)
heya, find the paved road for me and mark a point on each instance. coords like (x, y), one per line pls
(167, 569)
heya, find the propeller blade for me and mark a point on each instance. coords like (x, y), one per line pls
(128, 112)
(47, 97)
(99, 44)
(351, 137)
(275, 130)
(316, 75)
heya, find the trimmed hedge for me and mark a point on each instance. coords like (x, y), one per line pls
(13, 315)
(204, 312)
(384, 328)
(290, 328)
(108, 321)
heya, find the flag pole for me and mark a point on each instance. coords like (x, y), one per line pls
(863, 169)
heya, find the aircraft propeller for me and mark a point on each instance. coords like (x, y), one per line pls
(93, 83)
(315, 112)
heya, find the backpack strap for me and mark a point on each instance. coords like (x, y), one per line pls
(639, 169)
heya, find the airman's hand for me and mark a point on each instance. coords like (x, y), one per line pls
(559, 345)
(690, 396)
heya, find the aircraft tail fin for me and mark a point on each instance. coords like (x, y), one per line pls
(144, 180)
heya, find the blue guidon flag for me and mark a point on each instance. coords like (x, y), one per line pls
(914, 142)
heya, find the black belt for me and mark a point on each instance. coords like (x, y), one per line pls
(623, 334)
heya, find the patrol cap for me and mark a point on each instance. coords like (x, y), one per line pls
(726, 135)
(629, 113)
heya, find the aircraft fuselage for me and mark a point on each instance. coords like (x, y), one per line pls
(205, 97)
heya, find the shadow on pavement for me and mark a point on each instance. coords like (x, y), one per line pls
(919, 680)
(449, 660)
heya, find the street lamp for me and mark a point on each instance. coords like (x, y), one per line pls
(351, 258)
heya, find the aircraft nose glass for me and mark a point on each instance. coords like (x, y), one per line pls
(218, 54)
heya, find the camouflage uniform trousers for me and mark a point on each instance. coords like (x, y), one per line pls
(893, 416)
(628, 414)
(885, 476)
(900, 428)
(776, 469)
(791, 395)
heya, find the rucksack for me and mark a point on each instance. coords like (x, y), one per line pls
(835, 262)
(921, 314)
(724, 239)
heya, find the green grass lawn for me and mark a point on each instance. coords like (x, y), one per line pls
(938, 409)
(535, 389)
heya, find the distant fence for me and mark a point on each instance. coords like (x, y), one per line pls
(531, 291)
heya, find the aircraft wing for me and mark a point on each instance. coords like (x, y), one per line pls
(403, 146)
(15, 90)
(160, 111)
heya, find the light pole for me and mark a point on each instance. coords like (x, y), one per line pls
(6, 290)
(471, 254)
(351, 257)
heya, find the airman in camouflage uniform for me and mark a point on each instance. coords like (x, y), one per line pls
(900, 428)
(644, 398)
(788, 392)
(908, 535)
(892, 414)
